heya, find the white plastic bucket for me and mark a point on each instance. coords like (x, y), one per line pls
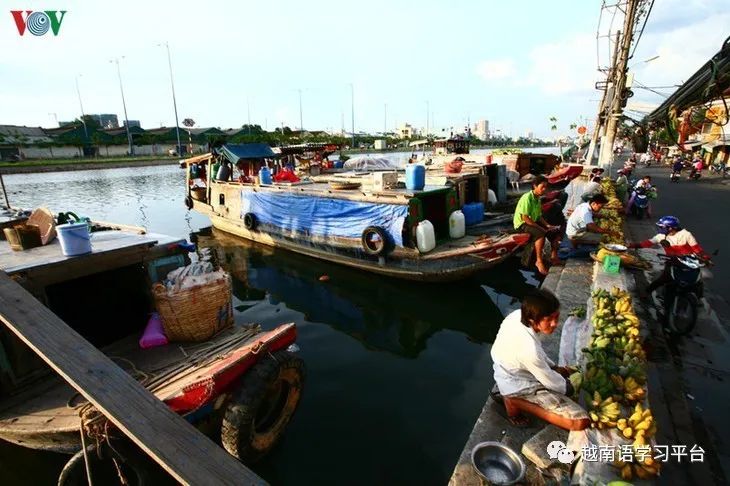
(75, 238)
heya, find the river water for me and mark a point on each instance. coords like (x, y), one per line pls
(397, 372)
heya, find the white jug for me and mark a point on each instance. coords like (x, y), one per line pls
(425, 236)
(457, 225)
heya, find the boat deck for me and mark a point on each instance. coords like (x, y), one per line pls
(37, 267)
(45, 414)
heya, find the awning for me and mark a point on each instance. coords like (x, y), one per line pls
(692, 145)
(236, 152)
(716, 143)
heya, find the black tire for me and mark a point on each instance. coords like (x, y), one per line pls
(134, 465)
(250, 221)
(374, 241)
(682, 313)
(188, 202)
(262, 406)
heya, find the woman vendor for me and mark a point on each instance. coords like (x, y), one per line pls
(528, 381)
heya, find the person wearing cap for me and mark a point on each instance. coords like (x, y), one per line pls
(581, 228)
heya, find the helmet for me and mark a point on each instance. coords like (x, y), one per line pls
(667, 223)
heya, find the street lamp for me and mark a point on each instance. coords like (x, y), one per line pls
(81, 105)
(352, 107)
(124, 105)
(174, 102)
(301, 123)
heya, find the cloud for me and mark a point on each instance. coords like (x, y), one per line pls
(496, 69)
(564, 67)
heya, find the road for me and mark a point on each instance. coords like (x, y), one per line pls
(701, 361)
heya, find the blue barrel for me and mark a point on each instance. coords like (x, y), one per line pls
(415, 177)
(265, 175)
(339, 164)
(473, 213)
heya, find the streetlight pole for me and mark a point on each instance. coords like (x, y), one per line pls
(174, 101)
(301, 124)
(352, 108)
(81, 105)
(124, 105)
(385, 119)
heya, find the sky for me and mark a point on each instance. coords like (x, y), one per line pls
(515, 63)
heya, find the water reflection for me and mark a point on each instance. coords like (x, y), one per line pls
(382, 313)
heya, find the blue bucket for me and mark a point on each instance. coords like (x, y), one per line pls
(75, 238)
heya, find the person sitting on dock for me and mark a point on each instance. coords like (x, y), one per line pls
(528, 219)
(581, 229)
(527, 380)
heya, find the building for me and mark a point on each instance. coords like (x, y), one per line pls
(481, 130)
(529, 135)
(380, 144)
(133, 123)
(106, 120)
(406, 131)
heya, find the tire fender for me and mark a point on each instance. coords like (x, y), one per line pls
(261, 407)
(250, 221)
(374, 241)
(188, 202)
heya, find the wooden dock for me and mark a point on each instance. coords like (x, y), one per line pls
(183, 451)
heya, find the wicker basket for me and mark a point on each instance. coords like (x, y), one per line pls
(197, 313)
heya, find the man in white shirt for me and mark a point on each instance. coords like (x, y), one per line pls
(528, 381)
(581, 229)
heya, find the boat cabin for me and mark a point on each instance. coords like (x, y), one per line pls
(449, 146)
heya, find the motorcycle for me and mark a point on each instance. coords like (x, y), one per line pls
(720, 169)
(694, 174)
(675, 176)
(683, 293)
(640, 201)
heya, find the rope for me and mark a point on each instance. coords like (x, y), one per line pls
(86, 457)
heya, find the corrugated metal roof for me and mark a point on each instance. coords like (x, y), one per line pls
(15, 134)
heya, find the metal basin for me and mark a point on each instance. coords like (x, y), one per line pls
(497, 463)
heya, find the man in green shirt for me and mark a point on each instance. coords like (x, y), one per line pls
(528, 219)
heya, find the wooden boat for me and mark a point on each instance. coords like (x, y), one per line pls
(364, 228)
(204, 382)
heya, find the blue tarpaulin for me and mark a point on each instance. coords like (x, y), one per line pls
(324, 216)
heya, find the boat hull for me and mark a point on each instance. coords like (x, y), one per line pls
(449, 268)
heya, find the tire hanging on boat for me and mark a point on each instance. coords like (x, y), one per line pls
(374, 241)
(261, 407)
(134, 465)
(250, 221)
(189, 202)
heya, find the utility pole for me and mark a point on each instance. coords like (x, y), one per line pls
(599, 129)
(124, 105)
(178, 149)
(352, 107)
(81, 105)
(614, 113)
(385, 119)
(301, 123)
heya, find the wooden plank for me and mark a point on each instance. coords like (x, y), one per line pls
(184, 452)
(102, 243)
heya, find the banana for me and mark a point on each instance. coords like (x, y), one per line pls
(628, 432)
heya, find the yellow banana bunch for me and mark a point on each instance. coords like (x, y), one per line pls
(622, 305)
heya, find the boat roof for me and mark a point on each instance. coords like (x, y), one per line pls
(236, 152)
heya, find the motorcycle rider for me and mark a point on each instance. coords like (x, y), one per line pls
(644, 182)
(697, 166)
(676, 241)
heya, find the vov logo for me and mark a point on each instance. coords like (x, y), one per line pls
(39, 22)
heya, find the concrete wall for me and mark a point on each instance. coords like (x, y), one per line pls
(50, 152)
